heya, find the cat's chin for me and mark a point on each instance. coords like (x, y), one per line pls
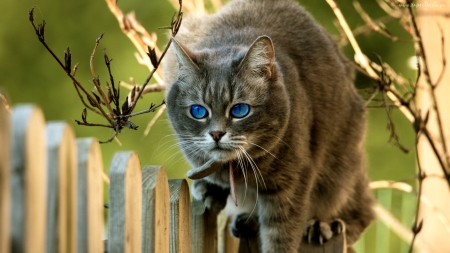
(223, 156)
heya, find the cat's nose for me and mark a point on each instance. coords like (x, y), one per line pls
(217, 135)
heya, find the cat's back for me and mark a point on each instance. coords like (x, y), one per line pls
(240, 22)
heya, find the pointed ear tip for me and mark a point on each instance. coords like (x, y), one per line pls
(265, 38)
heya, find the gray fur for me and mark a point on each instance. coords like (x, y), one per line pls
(300, 150)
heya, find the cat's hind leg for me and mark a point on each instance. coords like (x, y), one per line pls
(245, 225)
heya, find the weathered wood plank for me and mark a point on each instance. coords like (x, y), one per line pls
(203, 229)
(5, 177)
(155, 210)
(29, 179)
(61, 188)
(125, 204)
(336, 245)
(90, 197)
(180, 234)
(232, 243)
(226, 241)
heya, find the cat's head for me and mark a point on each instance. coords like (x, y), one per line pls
(227, 103)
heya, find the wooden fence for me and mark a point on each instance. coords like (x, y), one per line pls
(51, 188)
(52, 196)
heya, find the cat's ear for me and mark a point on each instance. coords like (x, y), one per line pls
(260, 58)
(184, 55)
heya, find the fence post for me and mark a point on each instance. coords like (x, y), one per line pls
(155, 210)
(204, 228)
(5, 177)
(61, 188)
(180, 234)
(29, 162)
(125, 204)
(226, 241)
(90, 197)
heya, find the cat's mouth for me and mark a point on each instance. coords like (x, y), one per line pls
(210, 167)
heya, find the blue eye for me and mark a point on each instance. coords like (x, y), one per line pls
(240, 110)
(199, 112)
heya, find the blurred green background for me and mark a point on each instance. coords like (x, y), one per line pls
(30, 75)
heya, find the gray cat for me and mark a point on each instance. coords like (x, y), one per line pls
(264, 107)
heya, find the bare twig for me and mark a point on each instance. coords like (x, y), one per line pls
(155, 118)
(117, 117)
(421, 176)
(376, 26)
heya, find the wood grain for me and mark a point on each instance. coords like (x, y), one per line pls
(61, 188)
(155, 210)
(203, 228)
(125, 204)
(180, 234)
(90, 196)
(29, 179)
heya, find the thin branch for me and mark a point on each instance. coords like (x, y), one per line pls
(444, 60)
(417, 224)
(155, 118)
(376, 25)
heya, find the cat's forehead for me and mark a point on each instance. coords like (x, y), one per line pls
(218, 90)
(221, 59)
(219, 75)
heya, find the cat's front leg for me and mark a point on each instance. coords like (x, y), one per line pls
(214, 196)
(281, 224)
(320, 232)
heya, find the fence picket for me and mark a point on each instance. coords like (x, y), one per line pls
(226, 241)
(125, 204)
(61, 188)
(5, 177)
(155, 210)
(204, 227)
(28, 180)
(90, 196)
(180, 234)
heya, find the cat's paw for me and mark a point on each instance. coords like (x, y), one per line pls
(245, 226)
(214, 196)
(321, 232)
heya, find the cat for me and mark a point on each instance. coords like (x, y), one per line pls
(263, 104)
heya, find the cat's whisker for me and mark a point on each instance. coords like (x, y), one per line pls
(279, 139)
(194, 150)
(254, 144)
(254, 166)
(244, 172)
(178, 152)
(175, 145)
(256, 180)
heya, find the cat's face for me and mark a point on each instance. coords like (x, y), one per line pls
(227, 104)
